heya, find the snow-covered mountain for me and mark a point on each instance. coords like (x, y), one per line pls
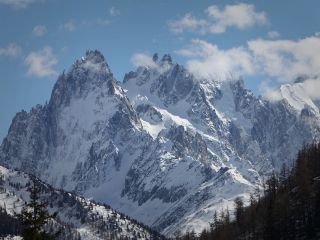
(163, 147)
(77, 217)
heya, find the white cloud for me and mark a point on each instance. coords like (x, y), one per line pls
(17, 3)
(241, 16)
(41, 63)
(312, 87)
(114, 12)
(282, 61)
(12, 50)
(287, 59)
(68, 26)
(208, 61)
(189, 23)
(271, 93)
(142, 59)
(39, 30)
(273, 34)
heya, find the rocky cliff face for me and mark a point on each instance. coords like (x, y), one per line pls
(163, 146)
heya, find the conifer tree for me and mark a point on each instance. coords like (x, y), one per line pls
(35, 215)
(239, 207)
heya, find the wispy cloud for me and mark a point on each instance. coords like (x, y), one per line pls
(273, 34)
(69, 26)
(17, 3)
(39, 30)
(72, 25)
(41, 63)
(240, 16)
(103, 22)
(114, 11)
(12, 50)
(189, 23)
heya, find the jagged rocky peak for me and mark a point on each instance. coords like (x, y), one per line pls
(92, 63)
(243, 97)
(91, 81)
(155, 57)
(86, 74)
(166, 59)
(146, 72)
(170, 81)
(94, 57)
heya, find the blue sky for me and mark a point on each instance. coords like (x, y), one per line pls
(267, 42)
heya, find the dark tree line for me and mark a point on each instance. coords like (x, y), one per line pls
(289, 208)
(8, 224)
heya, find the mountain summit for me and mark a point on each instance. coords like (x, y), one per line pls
(163, 146)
